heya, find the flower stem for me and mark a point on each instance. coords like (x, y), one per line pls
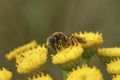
(64, 74)
(85, 61)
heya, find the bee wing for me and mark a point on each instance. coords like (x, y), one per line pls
(81, 40)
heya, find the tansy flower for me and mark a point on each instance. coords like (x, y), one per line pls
(93, 41)
(68, 57)
(85, 73)
(113, 67)
(41, 77)
(5, 74)
(21, 49)
(110, 52)
(31, 60)
(107, 54)
(116, 77)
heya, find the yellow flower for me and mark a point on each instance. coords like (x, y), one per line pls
(93, 41)
(21, 49)
(31, 60)
(113, 67)
(107, 54)
(5, 74)
(68, 55)
(110, 52)
(117, 77)
(42, 77)
(85, 73)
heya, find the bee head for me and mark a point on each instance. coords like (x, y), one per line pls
(51, 40)
(56, 40)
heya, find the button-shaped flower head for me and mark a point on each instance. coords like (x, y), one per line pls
(108, 54)
(93, 41)
(32, 59)
(20, 49)
(113, 67)
(85, 73)
(68, 57)
(5, 74)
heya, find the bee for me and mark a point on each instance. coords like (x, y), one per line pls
(59, 40)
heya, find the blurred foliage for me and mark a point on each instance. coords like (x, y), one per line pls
(24, 20)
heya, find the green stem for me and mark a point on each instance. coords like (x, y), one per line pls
(64, 75)
(85, 61)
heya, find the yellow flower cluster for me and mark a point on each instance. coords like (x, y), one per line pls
(117, 77)
(5, 74)
(68, 54)
(113, 67)
(85, 73)
(110, 52)
(92, 39)
(21, 49)
(31, 59)
(42, 77)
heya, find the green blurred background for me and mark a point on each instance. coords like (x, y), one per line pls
(24, 20)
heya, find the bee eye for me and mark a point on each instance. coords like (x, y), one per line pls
(52, 39)
(57, 38)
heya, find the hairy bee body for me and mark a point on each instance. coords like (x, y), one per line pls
(59, 40)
